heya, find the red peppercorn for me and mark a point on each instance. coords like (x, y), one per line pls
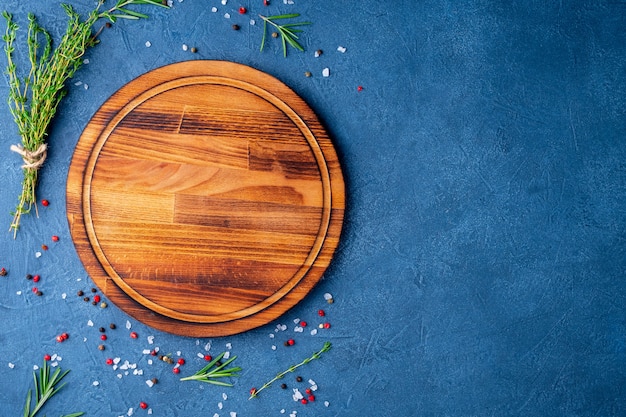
(303, 401)
(47, 357)
(153, 352)
(208, 357)
(252, 391)
(143, 405)
(45, 203)
(327, 325)
(291, 342)
(311, 398)
(44, 247)
(60, 339)
(242, 10)
(109, 361)
(176, 370)
(35, 289)
(103, 337)
(181, 361)
(36, 278)
(303, 323)
(308, 391)
(3, 272)
(321, 313)
(134, 335)
(96, 298)
(359, 88)
(65, 336)
(266, 2)
(55, 238)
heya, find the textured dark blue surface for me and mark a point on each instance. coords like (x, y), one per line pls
(482, 265)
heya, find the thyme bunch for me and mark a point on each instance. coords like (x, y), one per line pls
(213, 370)
(34, 100)
(287, 31)
(254, 392)
(46, 386)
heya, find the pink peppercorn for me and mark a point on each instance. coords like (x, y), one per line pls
(103, 337)
(176, 370)
(55, 238)
(36, 278)
(321, 313)
(303, 401)
(45, 203)
(134, 335)
(109, 361)
(311, 398)
(303, 323)
(96, 298)
(181, 361)
(359, 88)
(208, 357)
(47, 357)
(143, 405)
(242, 10)
(327, 325)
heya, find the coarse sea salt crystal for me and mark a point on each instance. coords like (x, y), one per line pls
(148, 44)
(273, 347)
(296, 321)
(150, 362)
(317, 54)
(95, 383)
(11, 365)
(226, 355)
(220, 405)
(271, 335)
(326, 72)
(146, 351)
(19, 293)
(297, 395)
(86, 61)
(128, 325)
(229, 346)
(77, 83)
(35, 367)
(224, 2)
(149, 410)
(130, 412)
(185, 47)
(207, 347)
(313, 332)
(328, 296)
(120, 376)
(252, 22)
(150, 340)
(233, 414)
(282, 411)
(149, 383)
(37, 254)
(227, 15)
(214, 9)
(64, 296)
(200, 355)
(298, 329)
(341, 49)
(224, 396)
(216, 415)
(326, 403)
(170, 3)
(86, 86)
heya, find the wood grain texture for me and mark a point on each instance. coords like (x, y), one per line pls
(205, 198)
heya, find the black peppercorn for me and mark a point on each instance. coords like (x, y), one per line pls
(299, 378)
(86, 299)
(194, 49)
(38, 293)
(108, 24)
(154, 380)
(100, 347)
(235, 27)
(94, 290)
(112, 326)
(80, 293)
(283, 386)
(101, 329)
(29, 276)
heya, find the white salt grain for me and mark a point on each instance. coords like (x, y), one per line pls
(207, 347)
(220, 405)
(273, 347)
(298, 329)
(64, 296)
(77, 83)
(341, 49)
(11, 365)
(95, 383)
(326, 403)
(326, 72)
(296, 321)
(233, 414)
(148, 44)
(216, 415)
(130, 412)
(19, 293)
(224, 2)
(328, 296)
(86, 86)
(313, 332)
(224, 396)
(317, 54)
(252, 22)
(227, 15)
(146, 351)
(37, 254)
(229, 346)
(150, 362)
(149, 383)
(226, 355)
(200, 355)
(128, 325)
(86, 61)
(150, 340)
(214, 9)
(185, 47)
(271, 335)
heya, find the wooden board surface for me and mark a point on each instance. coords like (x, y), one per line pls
(205, 198)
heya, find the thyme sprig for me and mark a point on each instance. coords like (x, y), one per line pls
(254, 392)
(46, 386)
(214, 370)
(287, 31)
(34, 100)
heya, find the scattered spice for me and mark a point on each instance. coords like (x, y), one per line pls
(316, 355)
(242, 10)
(194, 49)
(45, 203)
(143, 405)
(307, 74)
(235, 27)
(3, 272)
(299, 378)
(55, 238)
(134, 335)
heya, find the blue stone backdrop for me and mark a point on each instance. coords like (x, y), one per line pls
(483, 261)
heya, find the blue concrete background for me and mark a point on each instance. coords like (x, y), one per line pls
(482, 266)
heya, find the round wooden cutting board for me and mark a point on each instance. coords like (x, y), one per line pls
(205, 198)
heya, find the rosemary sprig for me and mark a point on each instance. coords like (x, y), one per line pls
(46, 386)
(208, 375)
(254, 392)
(34, 100)
(287, 31)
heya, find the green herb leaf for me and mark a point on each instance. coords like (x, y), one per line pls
(212, 370)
